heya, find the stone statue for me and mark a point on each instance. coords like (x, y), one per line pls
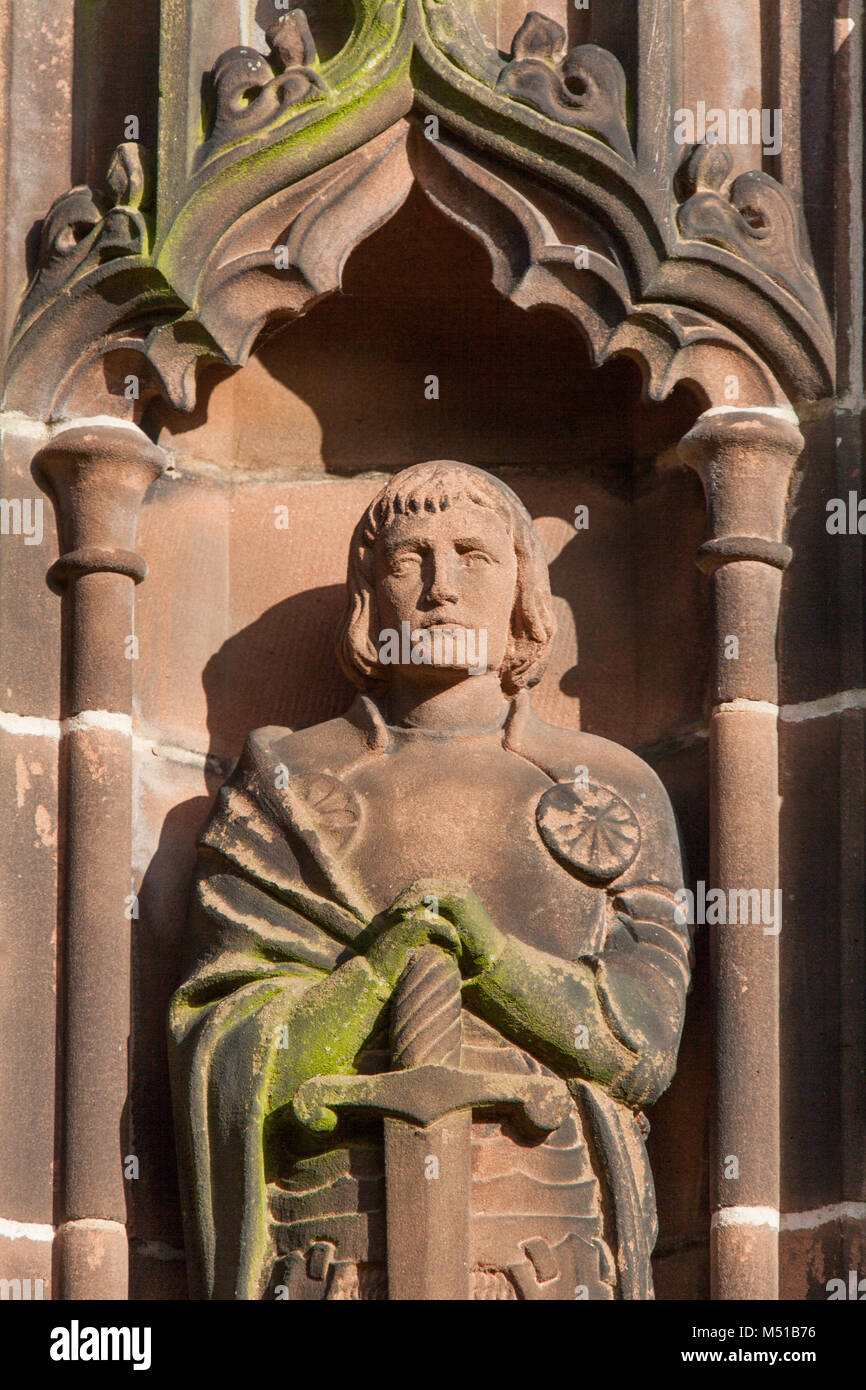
(439, 966)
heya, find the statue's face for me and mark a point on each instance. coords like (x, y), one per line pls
(451, 572)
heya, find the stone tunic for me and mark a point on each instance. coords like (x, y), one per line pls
(571, 845)
(536, 1213)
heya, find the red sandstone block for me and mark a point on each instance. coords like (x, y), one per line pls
(29, 611)
(28, 889)
(26, 1265)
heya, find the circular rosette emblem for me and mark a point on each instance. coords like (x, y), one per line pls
(590, 828)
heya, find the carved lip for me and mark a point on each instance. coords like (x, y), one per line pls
(450, 624)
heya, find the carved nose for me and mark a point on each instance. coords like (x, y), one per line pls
(443, 587)
(443, 591)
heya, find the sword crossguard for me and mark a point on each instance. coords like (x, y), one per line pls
(422, 1095)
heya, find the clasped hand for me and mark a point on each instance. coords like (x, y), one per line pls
(438, 913)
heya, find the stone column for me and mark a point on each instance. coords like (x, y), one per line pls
(721, 66)
(98, 474)
(745, 460)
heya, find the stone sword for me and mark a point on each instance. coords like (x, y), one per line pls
(426, 1103)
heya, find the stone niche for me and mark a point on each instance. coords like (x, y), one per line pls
(247, 536)
(496, 252)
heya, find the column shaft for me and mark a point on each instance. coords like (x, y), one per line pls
(745, 460)
(98, 476)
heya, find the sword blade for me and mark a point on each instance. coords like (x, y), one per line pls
(428, 1174)
(428, 1170)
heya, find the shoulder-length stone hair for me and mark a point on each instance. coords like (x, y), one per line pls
(433, 487)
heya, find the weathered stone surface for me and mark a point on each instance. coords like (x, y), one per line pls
(348, 385)
(35, 150)
(184, 533)
(157, 1273)
(682, 1275)
(822, 1158)
(28, 980)
(557, 111)
(29, 625)
(98, 473)
(821, 628)
(96, 968)
(745, 662)
(264, 647)
(745, 460)
(722, 63)
(92, 1260)
(29, 1262)
(746, 959)
(582, 86)
(679, 1140)
(411, 258)
(116, 76)
(745, 1261)
(809, 1258)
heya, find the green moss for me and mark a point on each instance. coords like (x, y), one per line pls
(303, 150)
(327, 1029)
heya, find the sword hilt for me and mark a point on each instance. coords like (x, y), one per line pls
(423, 1095)
(426, 1011)
(426, 1082)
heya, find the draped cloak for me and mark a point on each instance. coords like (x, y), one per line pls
(276, 908)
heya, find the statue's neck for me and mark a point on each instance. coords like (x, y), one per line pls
(469, 704)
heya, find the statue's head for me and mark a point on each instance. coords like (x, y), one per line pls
(446, 553)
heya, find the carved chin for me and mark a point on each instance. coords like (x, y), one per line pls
(455, 649)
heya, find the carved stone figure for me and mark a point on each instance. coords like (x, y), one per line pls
(438, 962)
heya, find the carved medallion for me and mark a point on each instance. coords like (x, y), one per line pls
(589, 827)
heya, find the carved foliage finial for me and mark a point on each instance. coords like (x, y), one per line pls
(539, 37)
(583, 87)
(754, 217)
(87, 226)
(250, 90)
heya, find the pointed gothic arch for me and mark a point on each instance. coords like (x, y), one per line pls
(297, 162)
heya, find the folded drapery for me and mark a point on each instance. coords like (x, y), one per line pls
(275, 927)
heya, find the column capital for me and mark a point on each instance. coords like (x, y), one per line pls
(98, 473)
(745, 459)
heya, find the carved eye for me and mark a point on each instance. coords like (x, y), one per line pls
(404, 563)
